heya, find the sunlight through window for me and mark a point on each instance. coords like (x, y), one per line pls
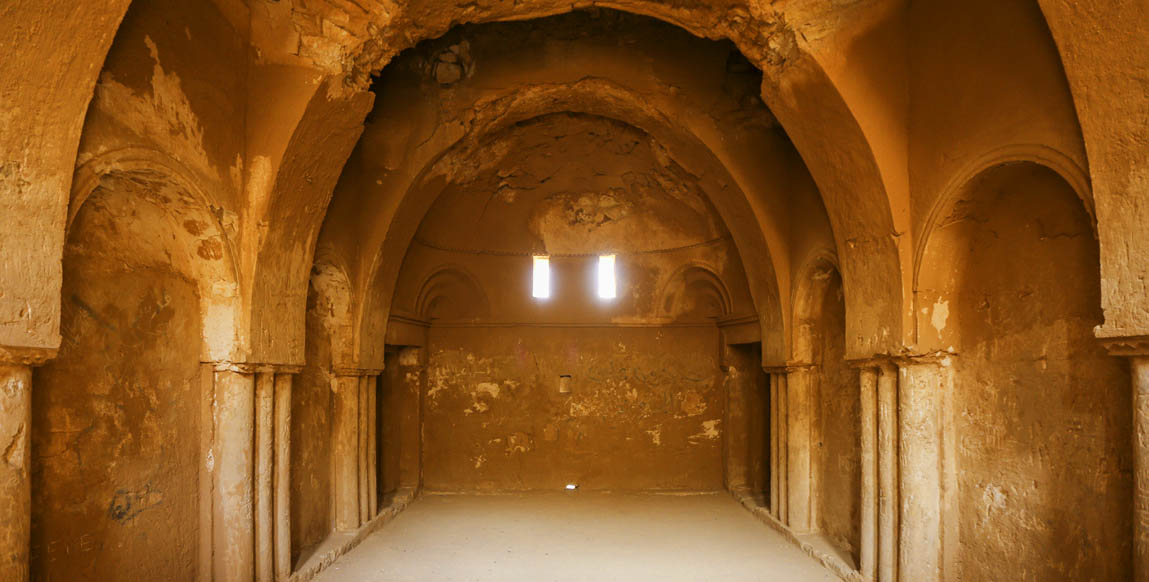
(606, 287)
(541, 288)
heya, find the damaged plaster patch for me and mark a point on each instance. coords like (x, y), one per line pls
(693, 403)
(709, 431)
(993, 499)
(487, 388)
(940, 315)
(165, 116)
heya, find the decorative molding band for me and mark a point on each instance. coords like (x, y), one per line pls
(23, 356)
(253, 368)
(789, 367)
(348, 371)
(908, 359)
(1129, 346)
(399, 318)
(474, 324)
(737, 320)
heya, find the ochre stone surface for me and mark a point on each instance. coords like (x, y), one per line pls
(644, 411)
(870, 258)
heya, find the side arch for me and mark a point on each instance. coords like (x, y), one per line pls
(201, 247)
(452, 283)
(595, 97)
(694, 283)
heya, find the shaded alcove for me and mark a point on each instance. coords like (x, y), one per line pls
(748, 420)
(825, 417)
(118, 417)
(1009, 283)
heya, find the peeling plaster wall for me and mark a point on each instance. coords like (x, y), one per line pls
(1042, 421)
(644, 412)
(646, 405)
(116, 417)
(171, 82)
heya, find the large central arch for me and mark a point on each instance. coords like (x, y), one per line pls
(795, 88)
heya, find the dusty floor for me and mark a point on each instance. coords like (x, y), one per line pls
(582, 536)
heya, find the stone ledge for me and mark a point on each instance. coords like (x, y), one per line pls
(339, 543)
(1127, 346)
(829, 561)
(25, 356)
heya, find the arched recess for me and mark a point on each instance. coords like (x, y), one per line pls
(452, 293)
(1098, 44)
(694, 291)
(951, 194)
(1009, 284)
(593, 97)
(824, 415)
(290, 185)
(149, 293)
(327, 350)
(796, 88)
(55, 49)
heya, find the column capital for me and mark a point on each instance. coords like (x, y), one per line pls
(941, 358)
(252, 368)
(26, 356)
(350, 371)
(1128, 346)
(788, 367)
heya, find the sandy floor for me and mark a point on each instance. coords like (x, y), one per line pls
(579, 536)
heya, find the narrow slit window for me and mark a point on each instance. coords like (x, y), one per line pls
(606, 285)
(541, 282)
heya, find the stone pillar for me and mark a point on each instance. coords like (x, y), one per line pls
(15, 490)
(775, 498)
(249, 462)
(921, 426)
(783, 447)
(372, 446)
(364, 471)
(282, 479)
(345, 452)
(1140, 373)
(868, 397)
(233, 526)
(887, 456)
(264, 451)
(1136, 348)
(353, 461)
(799, 454)
(15, 460)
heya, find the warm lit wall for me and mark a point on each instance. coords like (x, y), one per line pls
(1041, 412)
(647, 402)
(644, 411)
(117, 416)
